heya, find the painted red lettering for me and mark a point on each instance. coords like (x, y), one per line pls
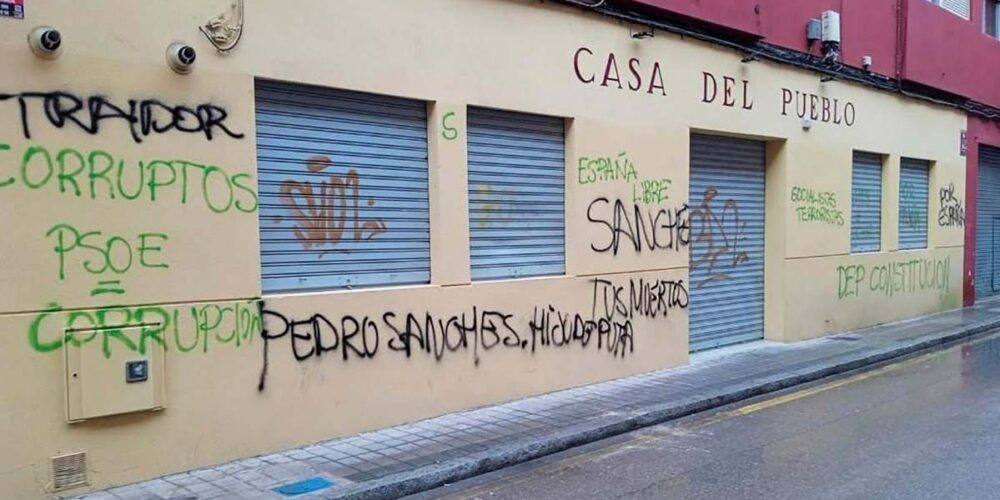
(653, 79)
(576, 65)
(611, 66)
(707, 77)
(727, 91)
(633, 67)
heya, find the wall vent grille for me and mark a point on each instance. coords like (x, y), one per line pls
(69, 470)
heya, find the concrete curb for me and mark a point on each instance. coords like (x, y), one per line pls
(430, 477)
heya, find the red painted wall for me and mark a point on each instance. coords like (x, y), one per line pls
(980, 131)
(940, 49)
(868, 27)
(950, 53)
(937, 49)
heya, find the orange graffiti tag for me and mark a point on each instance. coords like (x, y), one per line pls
(324, 211)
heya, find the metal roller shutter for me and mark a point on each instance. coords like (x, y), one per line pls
(988, 223)
(343, 188)
(516, 194)
(866, 203)
(727, 241)
(913, 187)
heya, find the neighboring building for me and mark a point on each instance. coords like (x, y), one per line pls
(946, 50)
(367, 213)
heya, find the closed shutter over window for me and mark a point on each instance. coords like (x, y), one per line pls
(516, 194)
(913, 188)
(343, 188)
(866, 203)
(988, 223)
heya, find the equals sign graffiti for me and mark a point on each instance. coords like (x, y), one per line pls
(111, 286)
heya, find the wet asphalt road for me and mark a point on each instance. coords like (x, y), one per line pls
(927, 427)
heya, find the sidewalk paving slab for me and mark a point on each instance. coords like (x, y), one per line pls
(419, 456)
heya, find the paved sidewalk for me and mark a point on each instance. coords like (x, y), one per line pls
(414, 457)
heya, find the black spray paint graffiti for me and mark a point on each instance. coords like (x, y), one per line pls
(608, 327)
(716, 240)
(646, 229)
(951, 213)
(144, 117)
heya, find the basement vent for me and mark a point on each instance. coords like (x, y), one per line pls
(69, 470)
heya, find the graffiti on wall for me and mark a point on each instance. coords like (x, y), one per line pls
(911, 215)
(143, 117)
(719, 230)
(449, 132)
(139, 328)
(601, 169)
(96, 175)
(639, 228)
(99, 175)
(476, 331)
(898, 277)
(952, 212)
(94, 253)
(325, 213)
(816, 206)
(99, 255)
(643, 224)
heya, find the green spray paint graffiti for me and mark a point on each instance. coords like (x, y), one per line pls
(447, 131)
(99, 175)
(139, 328)
(99, 254)
(816, 206)
(895, 278)
(621, 169)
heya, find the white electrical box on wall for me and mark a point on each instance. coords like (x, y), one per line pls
(831, 26)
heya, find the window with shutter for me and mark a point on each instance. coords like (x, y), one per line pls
(343, 188)
(914, 178)
(958, 7)
(991, 18)
(516, 194)
(866, 203)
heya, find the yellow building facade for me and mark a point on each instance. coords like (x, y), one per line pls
(145, 323)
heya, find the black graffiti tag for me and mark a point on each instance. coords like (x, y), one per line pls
(641, 228)
(951, 213)
(144, 117)
(477, 330)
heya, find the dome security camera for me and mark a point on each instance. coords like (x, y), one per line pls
(45, 42)
(181, 57)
